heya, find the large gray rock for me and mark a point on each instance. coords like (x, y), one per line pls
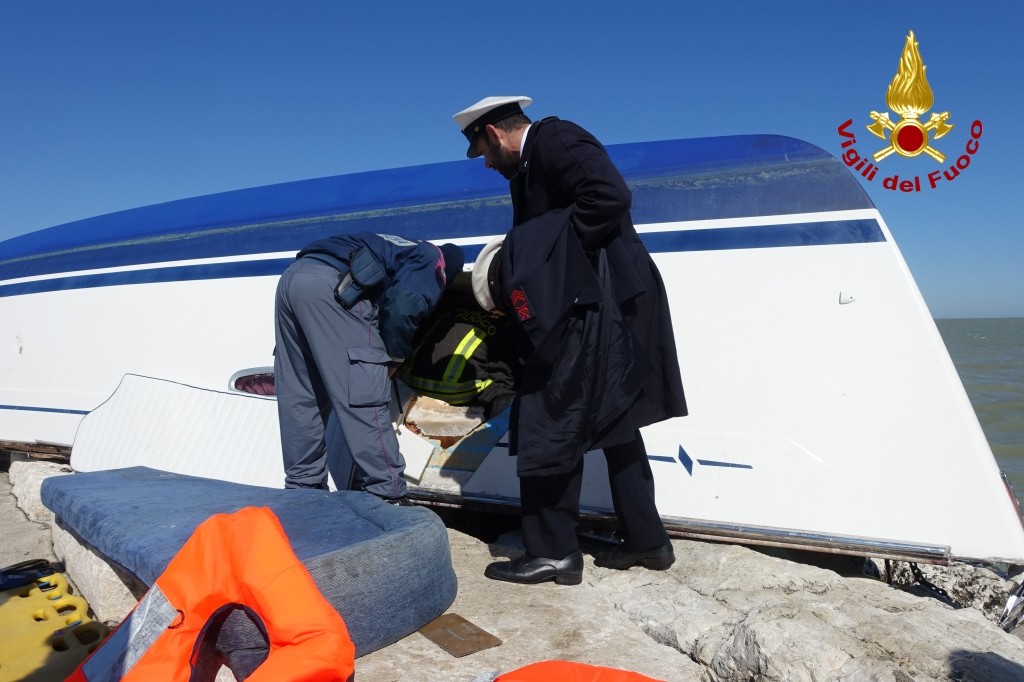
(977, 587)
(745, 615)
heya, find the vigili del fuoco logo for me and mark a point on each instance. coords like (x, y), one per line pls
(909, 97)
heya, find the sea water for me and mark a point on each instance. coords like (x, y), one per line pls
(989, 356)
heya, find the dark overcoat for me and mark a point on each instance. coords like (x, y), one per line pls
(582, 365)
(565, 167)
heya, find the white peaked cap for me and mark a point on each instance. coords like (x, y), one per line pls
(475, 118)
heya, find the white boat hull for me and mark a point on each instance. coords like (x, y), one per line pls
(823, 401)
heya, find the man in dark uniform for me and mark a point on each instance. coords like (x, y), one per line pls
(346, 312)
(560, 175)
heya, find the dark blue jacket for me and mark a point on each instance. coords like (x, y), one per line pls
(415, 281)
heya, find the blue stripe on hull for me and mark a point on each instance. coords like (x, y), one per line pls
(183, 273)
(675, 180)
(716, 239)
(58, 410)
(766, 236)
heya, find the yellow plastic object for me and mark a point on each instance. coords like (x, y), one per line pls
(45, 632)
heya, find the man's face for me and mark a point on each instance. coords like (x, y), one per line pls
(496, 156)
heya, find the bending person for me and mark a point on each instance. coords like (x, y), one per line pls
(346, 312)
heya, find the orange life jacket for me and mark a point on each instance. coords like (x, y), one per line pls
(241, 560)
(566, 671)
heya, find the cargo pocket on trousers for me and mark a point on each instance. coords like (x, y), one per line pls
(368, 383)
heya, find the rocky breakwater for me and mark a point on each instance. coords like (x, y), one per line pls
(722, 612)
(743, 615)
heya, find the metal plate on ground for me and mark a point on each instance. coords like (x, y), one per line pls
(458, 636)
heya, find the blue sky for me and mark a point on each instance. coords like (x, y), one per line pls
(117, 104)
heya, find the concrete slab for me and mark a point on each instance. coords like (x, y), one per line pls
(20, 538)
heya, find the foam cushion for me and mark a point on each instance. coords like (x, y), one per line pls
(386, 569)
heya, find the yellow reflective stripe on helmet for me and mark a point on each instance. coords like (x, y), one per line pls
(463, 396)
(452, 393)
(449, 388)
(470, 342)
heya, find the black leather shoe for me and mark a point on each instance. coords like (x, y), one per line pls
(402, 501)
(657, 559)
(534, 569)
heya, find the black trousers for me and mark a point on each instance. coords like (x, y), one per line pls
(551, 504)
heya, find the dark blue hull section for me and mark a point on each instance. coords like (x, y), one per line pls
(677, 180)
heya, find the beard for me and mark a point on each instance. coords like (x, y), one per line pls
(504, 161)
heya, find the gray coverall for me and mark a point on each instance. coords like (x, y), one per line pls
(313, 377)
(333, 358)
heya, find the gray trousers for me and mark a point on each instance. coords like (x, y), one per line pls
(332, 359)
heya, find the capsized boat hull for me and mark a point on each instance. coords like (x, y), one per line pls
(823, 401)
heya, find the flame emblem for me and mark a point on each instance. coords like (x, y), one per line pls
(910, 96)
